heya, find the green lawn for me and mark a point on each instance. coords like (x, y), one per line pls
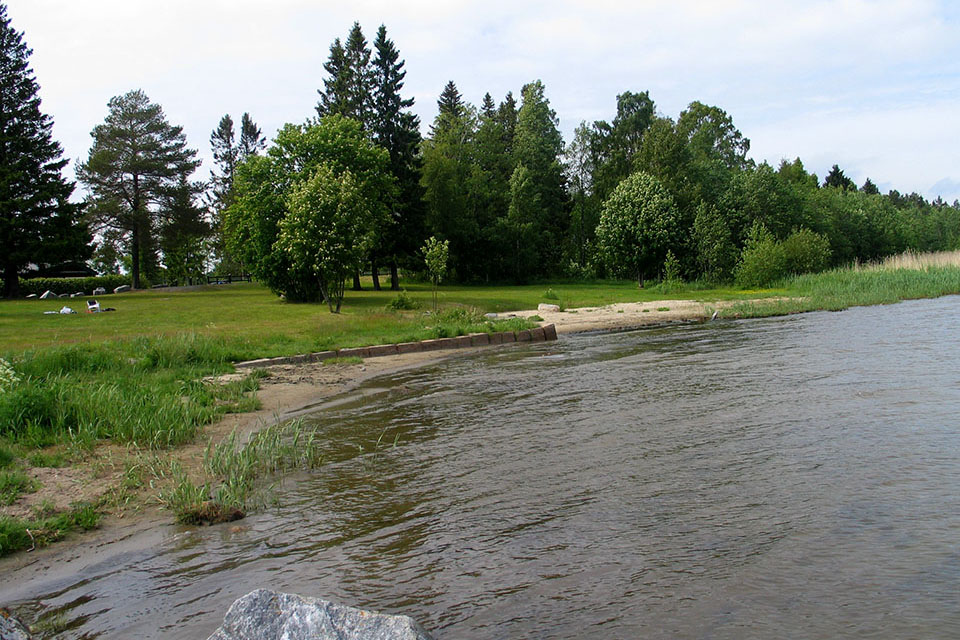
(258, 323)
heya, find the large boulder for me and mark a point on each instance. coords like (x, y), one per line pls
(122, 288)
(11, 628)
(99, 291)
(271, 615)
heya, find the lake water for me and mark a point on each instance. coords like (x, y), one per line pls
(786, 477)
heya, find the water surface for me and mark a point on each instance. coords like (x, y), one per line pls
(786, 477)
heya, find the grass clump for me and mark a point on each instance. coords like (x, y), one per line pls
(404, 302)
(235, 472)
(344, 360)
(16, 535)
(13, 484)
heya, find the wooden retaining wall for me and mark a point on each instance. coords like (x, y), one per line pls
(540, 334)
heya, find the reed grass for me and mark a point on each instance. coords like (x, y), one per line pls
(234, 472)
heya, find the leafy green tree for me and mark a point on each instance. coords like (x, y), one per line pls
(327, 231)
(712, 136)
(265, 185)
(715, 249)
(435, 255)
(538, 146)
(795, 174)
(397, 130)
(136, 158)
(638, 224)
(580, 163)
(448, 159)
(38, 224)
(616, 144)
(520, 230)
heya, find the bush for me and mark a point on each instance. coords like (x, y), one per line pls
(403, 302)
(71, 285)
(806, 252)
(762, 262)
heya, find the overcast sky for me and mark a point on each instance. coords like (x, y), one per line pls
(871, 86)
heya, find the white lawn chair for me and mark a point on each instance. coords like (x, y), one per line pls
(93, 306)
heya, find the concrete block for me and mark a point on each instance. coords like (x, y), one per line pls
(479, 339)
(523, 336)
(550, 332)
(508, 336)
(355, 352)
(496, 338)
(537, 335)
(463, 341)
(431, 345)
(320, 356)
(409, 347)
(381, 350)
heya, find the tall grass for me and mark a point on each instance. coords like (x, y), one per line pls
(903, 277)
(235, 472)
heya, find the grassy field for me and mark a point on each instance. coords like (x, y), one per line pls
(257, 323)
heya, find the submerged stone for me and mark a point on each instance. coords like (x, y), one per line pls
(271, 615)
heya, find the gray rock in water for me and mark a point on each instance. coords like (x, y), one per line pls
(122, 288)
(99, 291)
(270, 615)
(48, 294)
(11, 628)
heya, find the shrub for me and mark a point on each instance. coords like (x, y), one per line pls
(403, 302)
(806, 252)
(762, 261)
(71, 285)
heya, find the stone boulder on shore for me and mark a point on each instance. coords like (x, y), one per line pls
(271, 615)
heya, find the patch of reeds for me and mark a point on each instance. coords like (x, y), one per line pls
(236, 472)
(859, 285)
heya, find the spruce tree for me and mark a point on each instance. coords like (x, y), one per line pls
(398, 131)
(252, 141)
(348, 90)
(37, 223)
(225, 156)
(136, 158)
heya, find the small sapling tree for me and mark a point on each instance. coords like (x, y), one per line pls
(435, 254)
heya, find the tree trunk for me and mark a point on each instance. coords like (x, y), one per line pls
(375, 274)
(11, 281)
(394, 277)
(135, 256)
(640, 279)
(356, 281)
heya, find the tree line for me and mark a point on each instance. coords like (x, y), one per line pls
(356, 187)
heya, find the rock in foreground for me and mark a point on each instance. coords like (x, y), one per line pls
(270, 615)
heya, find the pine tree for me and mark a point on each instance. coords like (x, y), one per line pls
(398, 131)
(183, 232)
(136, 158)
(252, 141)
(225, 157)
(37, 223)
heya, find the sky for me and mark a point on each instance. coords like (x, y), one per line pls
(873, 86)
